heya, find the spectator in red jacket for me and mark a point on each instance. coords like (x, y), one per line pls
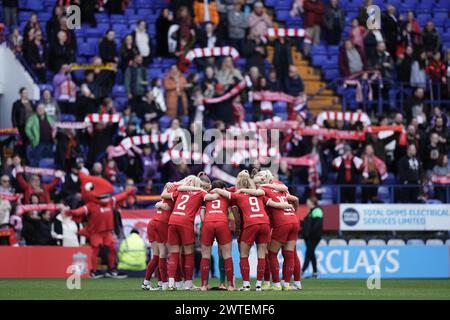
(36, 187)
(312, 20)
(437, 71)
(351, 59)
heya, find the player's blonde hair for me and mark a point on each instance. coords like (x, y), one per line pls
(191, 181)
(244, 181)
(262, 177)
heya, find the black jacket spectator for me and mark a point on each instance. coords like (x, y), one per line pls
(282, 58)
(334, 23)
(21, 111)
(108, 49)
(163, 24)
(255, 52)
(431, 40)
(390, 25)
(128, 51)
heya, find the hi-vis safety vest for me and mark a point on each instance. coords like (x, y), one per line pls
(132, 254)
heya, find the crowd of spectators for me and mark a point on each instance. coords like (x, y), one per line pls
(50, 47)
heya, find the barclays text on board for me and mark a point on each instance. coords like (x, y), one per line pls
(346, 262)
(371, 217)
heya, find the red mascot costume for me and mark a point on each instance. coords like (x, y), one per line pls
(98, 209)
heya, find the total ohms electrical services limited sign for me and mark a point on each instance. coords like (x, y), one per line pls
(370, 217)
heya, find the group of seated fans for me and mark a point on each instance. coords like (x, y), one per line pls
(264, 214)
(79, 125)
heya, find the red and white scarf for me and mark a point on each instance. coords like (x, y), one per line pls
(39, 207)
(72, 125)
(188, 156)
(379, 165)
(129, 142)
(11, 196)
(288, 33)
(436, 179)
(211, 52)
(40, 171)
(234, 91)
(344, 116)
(107, 118)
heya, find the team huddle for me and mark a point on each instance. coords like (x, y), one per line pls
(264, 214)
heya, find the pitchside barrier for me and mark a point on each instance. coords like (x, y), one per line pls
(348, 261)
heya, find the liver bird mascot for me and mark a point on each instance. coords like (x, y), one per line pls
(99, 210)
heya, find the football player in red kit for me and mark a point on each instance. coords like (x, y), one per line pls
(285, 229)
(157, 230)
(188, 200)
(256, 225)
(215, 226)
(100, 219)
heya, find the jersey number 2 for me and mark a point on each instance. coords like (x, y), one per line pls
(182, 204)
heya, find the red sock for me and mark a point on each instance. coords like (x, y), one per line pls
(173, 264)
(260, 269)
(229, 270)
(204, 271)
(297, 267)
(274, 266)
(181, 270)
(289, 261)
(151, 267)
(284, 262)
(188, 266)
(162, 266)
(94, 258)
(112, 256)
(245, 269)
(267, 270)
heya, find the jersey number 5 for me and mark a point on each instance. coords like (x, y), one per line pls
(215, 204)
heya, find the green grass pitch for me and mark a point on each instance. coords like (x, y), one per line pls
(312, 289)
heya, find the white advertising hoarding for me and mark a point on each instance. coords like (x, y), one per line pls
(399, 217)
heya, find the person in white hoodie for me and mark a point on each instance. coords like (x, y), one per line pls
(158, 94)
(142, 41)
(65, 231)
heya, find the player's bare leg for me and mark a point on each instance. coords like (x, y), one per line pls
(245, 267)
(204, 267)
(189, 267)
(228, 261)
(146, 285)
(274, 248)
(174, 251)
(261, 267)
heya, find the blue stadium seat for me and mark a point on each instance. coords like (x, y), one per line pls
(282, 15)
(164, 122)
(47, 163)
(67, 117)
(86, 49)
(34, 5)
(119, 91)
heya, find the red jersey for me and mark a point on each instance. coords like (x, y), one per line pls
(100, 217)
(279, 217)
(252, 209)
(186, 207)
(164, 215)
(217, 210)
